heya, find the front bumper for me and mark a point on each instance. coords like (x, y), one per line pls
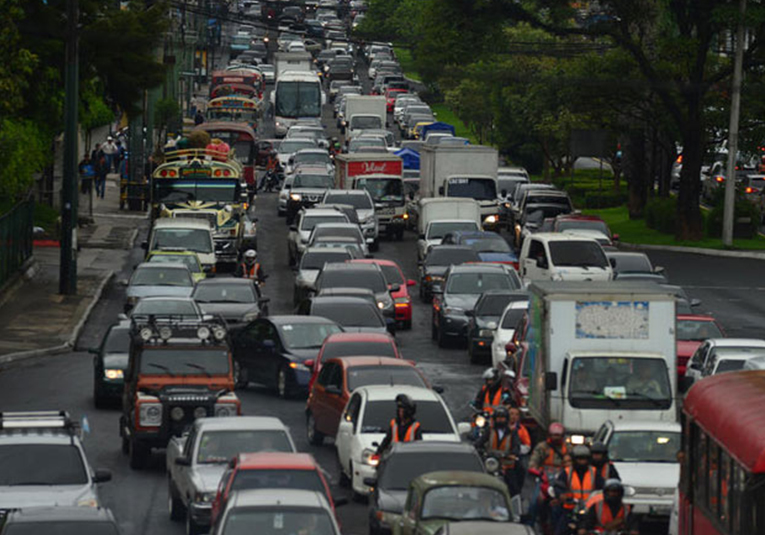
(361, 471)
(651, 505)
(226, 251)
(453, 325)
(201, 513)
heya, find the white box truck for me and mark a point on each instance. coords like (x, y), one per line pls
(600, 351)
(439, 216)
(363, 112)
(292, 61)
(462, 171)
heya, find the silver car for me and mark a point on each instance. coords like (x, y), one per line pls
(158, 279)
(365, 209)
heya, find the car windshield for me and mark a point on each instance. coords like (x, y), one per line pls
(542, 198)
(383, 375)
(197, 240)
(488, 245)
(165, 307)
(357, 201)
(475, 188)
(288, 146)
(384, 189)
(225, 293)
(317, 259)
(584, 224)
(447, 257)
(41, 464)
(431, 415)
(729, 365)
(312, 157)
(351, 278)
(350, 315)
(61, 528)
(221, 446)
(392, 274)
(492, 305)
(278, 521)
(697, 330)
(190, 261)
(508, 184)
(145, 276)
(438, 229)
(620, 382)
(478, 282)
(536, 213)
(310, 221)
(281, 478)
(355, 349)
(118, 340)
(635, 263)
(307, 335)
(313, 181)
(512, 318)
(339, 232)
(401, 468)
(644, 446)
(573, 253)
(465, 503)
(186, 361)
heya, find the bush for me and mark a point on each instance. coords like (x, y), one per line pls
(747, 217)
(661, 214)
(604, 200)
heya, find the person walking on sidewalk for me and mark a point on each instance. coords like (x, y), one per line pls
(101, 168)
(111, 151)
(87, 174)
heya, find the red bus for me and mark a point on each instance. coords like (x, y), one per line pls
(240, 137)
(722, 480)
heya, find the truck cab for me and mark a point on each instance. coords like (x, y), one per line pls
(561, 257)
(387, 192)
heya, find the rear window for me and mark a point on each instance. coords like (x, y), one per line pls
(383, 375)
(342, 232)
(357, 201)
(448, 257)
(578, 254)
(430, 414)
(492, 305)
(392, 274)
(309, 222)
(118, 340)
(278, 479)
(316, 260)
(356, 349)
(348, 278)
(401, 469)
(61, 528)
(347, 315)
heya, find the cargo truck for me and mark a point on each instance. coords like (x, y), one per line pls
(363, 112)
(440, 216)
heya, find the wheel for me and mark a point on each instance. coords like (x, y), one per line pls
(407, 325)
(241, 376)
(192, 528)
(139, 454)
(315, 437)
(282, 389)
(174, 503)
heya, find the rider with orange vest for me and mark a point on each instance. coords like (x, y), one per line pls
(492, 394)
(403, 428)
(602, 463)
(501, 441)
(579, 480)
(250, 268)
(607, 512)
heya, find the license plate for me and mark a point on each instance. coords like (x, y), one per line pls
(386, 211)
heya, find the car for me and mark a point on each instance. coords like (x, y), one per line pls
(341, 376)
(276, 471)
(338, 230)
(349, 344)
(43, 462)
(645, 455)
(367, 417)
(506, 327)
(561, 257)
(515, 199)
(315, 132)
(365, 210)
(626, 263)
(537, 218)
(300, 231)
(235, 300)
(394, 276)
(360, 275)
(714, 349)
(732, 361)
(484, 527)
(288, 147)
(437, 261)
(154, 279)
(308, 184)
(196, 461)
(692, 330)
(490, 246)
(484, 320)
(575, 222)
(110, 361)
(184, 233)
(311, 264)
(462, 287)
(310, 158)
(354, 314)
(438, 498)
(63, 520)
(684, 303)
(437, 229)
(188, 258)
(179, 307)
(405, 461)
(272, 351)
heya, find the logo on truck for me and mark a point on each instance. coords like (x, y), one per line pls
(391, 167)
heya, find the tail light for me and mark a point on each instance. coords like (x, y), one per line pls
(749, 190)
(720, 179)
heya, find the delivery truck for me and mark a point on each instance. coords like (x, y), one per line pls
(462, 171)
(438, 216)
(600, 351)
(363, 112)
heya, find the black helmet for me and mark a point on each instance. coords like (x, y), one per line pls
(599, 447)
(501, 412)
(613, 484)
(581, 452)
(404, 402)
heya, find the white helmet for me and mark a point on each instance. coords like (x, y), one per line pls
(251, 254)
(490, 373)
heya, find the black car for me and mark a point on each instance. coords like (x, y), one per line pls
(63, 520)
(234, 300)
(437, 261)
(110, 362)
(271, 351)
(405, 461)
(484, 318)
(355, 314)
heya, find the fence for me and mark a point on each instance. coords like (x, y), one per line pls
(15, 238)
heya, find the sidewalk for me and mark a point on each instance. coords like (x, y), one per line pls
(34, 318)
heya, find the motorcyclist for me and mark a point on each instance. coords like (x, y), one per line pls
(403, 428)
(334, 147)
(490, 396)
(272, 169)
(549, 454)
(602, 463)
(501, 441)
(250, 268)
(574, 485)
(607, 512)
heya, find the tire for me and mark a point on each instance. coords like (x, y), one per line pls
(282, 386)
(241, 376)
(174, 504)
(192, 528)
(139, 455)
(315, 437)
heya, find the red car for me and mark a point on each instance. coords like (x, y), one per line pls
(402, 301)
(692, 330)
(353, 345)
(390, 97)
(271, 471)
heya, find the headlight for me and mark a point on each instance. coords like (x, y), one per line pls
(295, 196)
(507, 205)
(251, 316)
(480, 420)
(370, 457)
(486, 333)
(454, 310)
(576, 439)
(299, 366)
(113, 374)
(204, 497)
(490, 219)
(380, 305)
(150, 414)
(225, 409)
(176, 414)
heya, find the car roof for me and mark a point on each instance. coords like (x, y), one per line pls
(387, 392)
(337, 225)
(239, 423)
(162, 265)
(624, 254)
(478, 267)
(458, 478)
(337, 250)
(579, 217)
(61, 514)
(737, 342)
(276, 461)
(352, 362)
(180, 222)
(372, 338)
(287, 319)
(646, 425)
(348, 266)
(226, 280)
(321, 212)
(346, 300)
(434, 446)
(561, 236)
(450, 247)
(378, 261)
(347, 192)
(285, 497)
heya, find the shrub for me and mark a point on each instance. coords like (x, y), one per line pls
(747, 217)
(604, 200)
(661, 214)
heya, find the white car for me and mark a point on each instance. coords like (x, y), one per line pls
(506, 329)
(366, 418)
(645, 455)
(290, 146)
(300, 232)
(437, 229)
(284, 194)
(365, 210)
(558, 256)
(715, 349)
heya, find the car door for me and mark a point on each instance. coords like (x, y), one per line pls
(536, 263)
(252, 358)
(272, 349)
(696, 362)
(346, 430)
(335, 401)
(319, 397)
(183, 482)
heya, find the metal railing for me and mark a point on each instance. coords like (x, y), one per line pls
(16, 238)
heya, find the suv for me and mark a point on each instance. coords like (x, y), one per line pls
(179, 370)
(43, 463)
(187, 234)
(300, 232)
(365, 209)
(369, 276)
(307, 187)
(66, 520)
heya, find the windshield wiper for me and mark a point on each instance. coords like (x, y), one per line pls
(161, 367)
(655, 401)
(30, 483)
(198, 367)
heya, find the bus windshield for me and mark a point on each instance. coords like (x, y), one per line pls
(176, 191)
(298, 99)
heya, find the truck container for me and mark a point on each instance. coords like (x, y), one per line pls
(292, 61)
(363, 112)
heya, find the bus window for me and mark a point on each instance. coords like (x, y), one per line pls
(724, 488)
(700, 461)
(713, 489)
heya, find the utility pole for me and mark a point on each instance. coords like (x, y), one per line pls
(67, 284)
(735, 109)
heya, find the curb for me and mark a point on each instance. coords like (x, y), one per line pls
(68, 345)
(752, 255)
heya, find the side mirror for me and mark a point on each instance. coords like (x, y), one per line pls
(551, 381)
(264, 300)
(390, 326)
(411, 282)
(470, 313)
(695, 302)
(309, 363)
(438, 389)
(183, 461)
(685, 383)
(441, 191)
(124, 282)
(510, 347)
(102, 476)
(333, 390)
(421, 237)
(411, 195)
(464, 428)
(122, 317)
(369, 482)
(394, 288)
(659, 270)
(503, 193)
(293, 228)
(612, 261)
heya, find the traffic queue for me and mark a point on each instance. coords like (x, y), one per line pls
(585, 351)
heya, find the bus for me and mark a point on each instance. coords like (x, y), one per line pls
(234, 108)
(242, 76)
(297, 95)
(722, 476)
(241, 138)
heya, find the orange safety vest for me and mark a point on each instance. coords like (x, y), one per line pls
(489, 404)
(250, 272)
(410, 435)
(580, 489)
(605, 516)
(505, 445)
(604, 470)
(523, 434)
(550, 460)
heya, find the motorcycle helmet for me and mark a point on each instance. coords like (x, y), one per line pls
(501, 412)
(250, 254)
(609, 487)
(556, 429)
(490, 374)
(581, 452)
(599, 447)
(404, 402)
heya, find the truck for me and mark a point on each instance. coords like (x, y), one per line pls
(363, 112)
(598, 352)
(296, 95)
(462, 171)
(437, 216)
(293, 62)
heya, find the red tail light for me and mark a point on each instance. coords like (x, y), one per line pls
(749, 190)
(720, 179)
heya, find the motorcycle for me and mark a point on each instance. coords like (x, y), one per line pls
(479, 421)
(271, 181)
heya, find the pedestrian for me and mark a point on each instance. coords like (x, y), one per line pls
(110, 151)
(101, 168)
(199, 118)
(94, 153)
(87, 174)
(120, 154)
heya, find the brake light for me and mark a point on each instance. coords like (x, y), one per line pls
(226, 172)
(720, 179)
(163, 173)
(172, 172)
(679, 159)
(217, 172)
(749, 190)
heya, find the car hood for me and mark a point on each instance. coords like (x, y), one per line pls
(507, 258)
(465, 301)
(116, 361)
(686, 348)
(650, 475)
(438, 271)
(483, 321)
(229, 310)
(572, 273)
(391, 501)
(304, 354)
(159, 291)
(309, 191)
(44, 495)
(308, 276)
(364, 213)
(207, 476)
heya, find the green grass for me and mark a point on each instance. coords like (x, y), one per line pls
(446, 115)
(404, 56)
(46, 217)
(635, 231)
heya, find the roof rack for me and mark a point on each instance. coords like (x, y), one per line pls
(150, 329)
(38, 420)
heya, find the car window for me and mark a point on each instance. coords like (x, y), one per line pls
(220, 446)
(61, 528)
(431, 415)
(354, 349)
(41, 464)
(512, 317)
(190, 261)
(392, 274)
(352, 278)
(697, 330)
(335, 375)
(224, 293)
(161, 277)
(117, 341)
(401, 468)
(492, 305)
(165, 307)
(478, 282)
(359, 376)
(278, 479)
(352, 410)
(197, 240)
(577, 253)
(317, 259)
(307, 335)
(362, 314)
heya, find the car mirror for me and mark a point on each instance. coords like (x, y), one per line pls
(394, 288)
(124, 282)
(122, 317)
(309, 363)
(269, 345)
(264, 300)
(411, 195)
(390, 325)
(464, 428)
(612, 261)
(183, 461)
(102, 476)
(411, 282)
(659, 270)
(145, 245)
(438, 389)
(333, 389)
(685, 383)
(370, 481)
(470, 313)
(421, 237)
(293, 228)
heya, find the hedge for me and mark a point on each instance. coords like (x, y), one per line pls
(661, 214)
